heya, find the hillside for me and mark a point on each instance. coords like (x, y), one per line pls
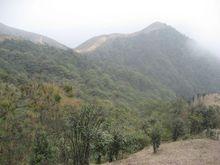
(58, 106)
(7, 32)
(195, 152)
(21, 61)
(159, 53)
(127, 69)
(156, 62)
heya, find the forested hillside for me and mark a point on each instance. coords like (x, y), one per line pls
(162, 54)
(23, 60)
(58, 106)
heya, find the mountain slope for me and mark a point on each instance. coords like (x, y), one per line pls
(128, 70)
(7, 32)
(197, 151)
(160, 53)
(22, 61)
(96, 42)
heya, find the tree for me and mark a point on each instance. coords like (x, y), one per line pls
(155, 138)
(101, 144)
(195, 123)
(83, 125)
(177, 128)
(115, 146)
(210, 120)
(146, 127)
(203, 118)
(42, 151)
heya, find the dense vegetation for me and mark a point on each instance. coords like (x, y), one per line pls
(22, 61)
(39, 125)
(59, 107)
(163, 58)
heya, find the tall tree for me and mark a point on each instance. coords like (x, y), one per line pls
(155, 138)
(83, 125)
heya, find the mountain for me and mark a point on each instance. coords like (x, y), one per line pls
(7, 32)
(157, 62)
(121, 89)
(94, 43)
(23, 61)
(161, 54)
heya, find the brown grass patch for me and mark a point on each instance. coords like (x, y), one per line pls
(189, 152)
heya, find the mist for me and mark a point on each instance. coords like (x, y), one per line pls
(72, 22)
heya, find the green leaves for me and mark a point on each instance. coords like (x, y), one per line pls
(155, 137)
(83, 126)
(202, 117)
(42, 151)
(177, 128)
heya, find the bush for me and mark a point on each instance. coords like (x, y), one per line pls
(42, 151)
(177, 128)
(202, 118)
(156, 138)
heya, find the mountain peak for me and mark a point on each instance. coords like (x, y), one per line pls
(154, 26)
(98, 41)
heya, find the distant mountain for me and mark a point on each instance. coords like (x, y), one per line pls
(96, 42)
(7, 32)
(160, 53)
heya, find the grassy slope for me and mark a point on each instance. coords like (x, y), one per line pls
(196, 152)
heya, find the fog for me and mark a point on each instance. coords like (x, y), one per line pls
(71, 22)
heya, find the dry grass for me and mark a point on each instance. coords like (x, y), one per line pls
(189, 152)
(212, 99)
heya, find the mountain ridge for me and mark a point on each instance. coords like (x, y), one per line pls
(7, 32)
(95, 42)
(161, 53)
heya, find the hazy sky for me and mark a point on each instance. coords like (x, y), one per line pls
(73, 21)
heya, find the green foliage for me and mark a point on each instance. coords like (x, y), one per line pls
(152, 129)
(177, 128)
(135, 142)
(42, 151)
(66, 97)
(115, 146)
(203, 117)
(101, 143)
(78, 133)
(155, 138)
(57, 98)
(12, 130)
(83, 126)
(81, 76)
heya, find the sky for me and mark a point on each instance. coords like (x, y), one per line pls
(72, 22)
